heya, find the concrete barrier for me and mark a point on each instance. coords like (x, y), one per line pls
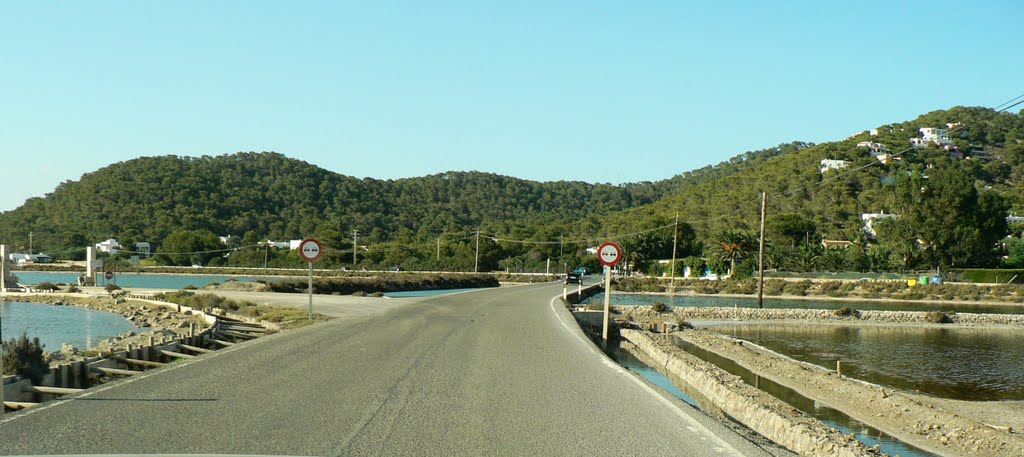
(753, 408)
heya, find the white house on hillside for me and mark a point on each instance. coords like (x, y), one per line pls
(829, 164)
(932, 135)
(109, 246)
(870, 219)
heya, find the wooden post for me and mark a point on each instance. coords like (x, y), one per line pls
(565, 291)
(760, 254)
(839, 368)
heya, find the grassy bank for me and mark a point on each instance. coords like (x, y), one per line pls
(288, 317)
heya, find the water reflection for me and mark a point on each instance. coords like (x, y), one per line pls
(958, 363)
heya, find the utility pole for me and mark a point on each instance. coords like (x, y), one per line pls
(438, 249)
(266, 253)
(675, 245)
(476, 261)
(560, 246)
(760, 254)
(355, 246)
(30, 244)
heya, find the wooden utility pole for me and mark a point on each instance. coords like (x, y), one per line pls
(760, 255)
(675, 244)
(438, 249)
(476, 260)
(355, 246)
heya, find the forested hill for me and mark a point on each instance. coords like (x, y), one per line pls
(276, 197)
(952, 202)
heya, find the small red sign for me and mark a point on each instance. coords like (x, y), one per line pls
(109, 275)
(310, 249)
(609, 254)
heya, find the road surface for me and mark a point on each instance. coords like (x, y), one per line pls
(494, 372)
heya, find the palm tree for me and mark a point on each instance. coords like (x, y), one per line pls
(833, 259)
(732, 245)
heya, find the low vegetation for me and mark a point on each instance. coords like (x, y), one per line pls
(291, 317)
(386, 283)
(24, 356)
(889, 290)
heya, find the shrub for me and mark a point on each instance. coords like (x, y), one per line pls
(938, 317)
(25, 357)
(377, 294)
(47, 286)
(74, 290)
(845, 311)
(798, 288)
(110, 288)
(774, 286)
(659, 307)
(740, 286)
(683, 323)
(190, 287)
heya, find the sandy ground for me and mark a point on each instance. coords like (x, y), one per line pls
(948, 427)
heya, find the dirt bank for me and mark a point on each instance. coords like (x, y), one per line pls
(944, 426)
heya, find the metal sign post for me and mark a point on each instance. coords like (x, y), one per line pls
(609, 254)
(310, 249)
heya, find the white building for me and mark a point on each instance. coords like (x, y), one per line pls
(932, 135)
(870, 219)
(874, 147)
(22, 258)
(829, 164)
(276, 244)
(1012, 218)
(109, 246)
(294, 244)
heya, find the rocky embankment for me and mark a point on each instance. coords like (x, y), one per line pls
(156, 322)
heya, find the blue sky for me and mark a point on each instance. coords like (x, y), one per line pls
(593, 91)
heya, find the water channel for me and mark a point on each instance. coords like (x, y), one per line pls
(831, 417)
(959, 363)
(55, 325)
(148, 280)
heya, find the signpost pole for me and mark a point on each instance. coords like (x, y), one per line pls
(310, 290)
(310, 249)
(607, 300)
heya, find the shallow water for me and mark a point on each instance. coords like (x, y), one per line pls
(54, 325)
(751, 302)
(958, 363)
(155, 281)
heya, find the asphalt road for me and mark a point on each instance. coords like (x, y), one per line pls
(494, 372)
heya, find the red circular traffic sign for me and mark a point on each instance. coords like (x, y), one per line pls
(310, 249)
(109, 275)
(609, 254)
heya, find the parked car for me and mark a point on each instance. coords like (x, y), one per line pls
(573, 277)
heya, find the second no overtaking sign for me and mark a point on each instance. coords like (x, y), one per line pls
(609, 254)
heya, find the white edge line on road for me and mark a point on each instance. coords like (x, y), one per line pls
(615, 366)
(110, 385)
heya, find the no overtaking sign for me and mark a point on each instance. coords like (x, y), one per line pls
(310, 249)
(609, 254)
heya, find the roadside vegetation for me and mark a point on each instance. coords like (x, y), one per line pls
(889, 290)
(385, 283)
(24, 356)
(287, 316)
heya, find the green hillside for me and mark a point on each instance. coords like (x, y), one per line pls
(951, 209)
